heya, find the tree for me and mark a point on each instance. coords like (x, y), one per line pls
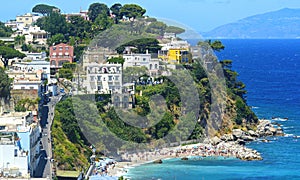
(54, 23)
(78, 27)
(116, 10)
(24, 47)
(132, 11)
(118, 60)
(174, 29)
(97, 8)
(215, 45)
(19, 40)
(5, 31)
(65, 73)
(44, 9)
(143, 44)
(5, 84)
(101, 23)
(56, 39)
(156, 28)
(9, 53)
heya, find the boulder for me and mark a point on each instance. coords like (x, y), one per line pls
(241, 142)
(279, 132)
(247, 138)
(159, 161)
(237, 133)
(273, 130)
(215, 140)
(227, 137)
(184, 158)
(252, 133)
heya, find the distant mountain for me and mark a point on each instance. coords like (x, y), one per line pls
(284, 23)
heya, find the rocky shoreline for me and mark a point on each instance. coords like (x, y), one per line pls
(228, 145)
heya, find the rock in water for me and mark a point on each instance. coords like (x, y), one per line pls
(184, 158)
(159, 161)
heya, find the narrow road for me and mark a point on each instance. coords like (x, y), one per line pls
(46, 138)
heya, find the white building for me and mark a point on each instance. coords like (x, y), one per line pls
(103, 78)
(175, 44)
(32, 34)
(19, 146)
(37, 66)
(140, 60)
(35, 56)
(169, 35)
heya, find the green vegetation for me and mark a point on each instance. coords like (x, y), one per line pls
(27, 105)
(141, 45)
(96, 10)
(9, 53)
(174, 29)
(132, 11)
(44, 9)
(5, 31)
(77, 116)
(70, 147)
(67, 70)
(5, 84)
(116, 60)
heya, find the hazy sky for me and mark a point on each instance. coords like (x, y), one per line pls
(201, 15)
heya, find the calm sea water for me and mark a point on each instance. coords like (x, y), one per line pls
(271, 71)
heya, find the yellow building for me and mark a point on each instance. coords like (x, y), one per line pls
(175, 56)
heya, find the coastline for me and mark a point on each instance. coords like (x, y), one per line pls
(227, 146)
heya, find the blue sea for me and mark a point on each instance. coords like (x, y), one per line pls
(271, 71)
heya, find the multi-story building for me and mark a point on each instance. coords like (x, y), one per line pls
(33, 34)
(19, 146)
(103, 78)
(20, 69)
(175, 52)
(26, 19)
(97, 55)
(142, 60)
(60, 54)
(136, 60)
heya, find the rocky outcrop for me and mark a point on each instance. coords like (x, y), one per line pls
(266, 128)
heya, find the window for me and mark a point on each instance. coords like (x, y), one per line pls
(110, 78)
(99, 78)
(54, 48)
(67, 48)
(60, 48)
(116, 78)
(144, 59)
(22, 87)
(31, 87)
(92, 78)
(26, 19)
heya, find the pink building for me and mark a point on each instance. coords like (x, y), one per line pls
(60, 54)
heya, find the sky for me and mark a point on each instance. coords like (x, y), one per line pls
(199, 15)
